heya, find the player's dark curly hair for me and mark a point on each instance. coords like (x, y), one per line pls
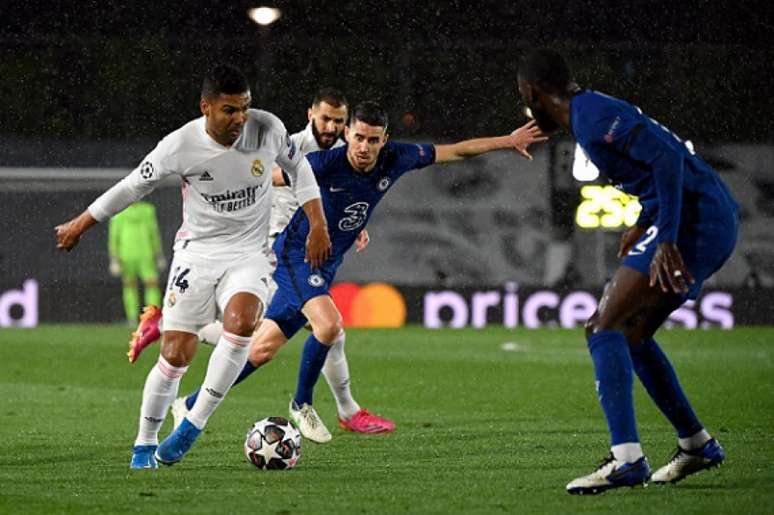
(548, 70)
(226, 79)
(370, 112)
(330, 96)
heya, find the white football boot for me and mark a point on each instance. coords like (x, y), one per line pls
(611, 473)
(684, 463)
(309, 423)
(179, 411)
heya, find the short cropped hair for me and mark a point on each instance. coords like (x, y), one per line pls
(370, 112)
(548, 70)
(225, 79)
(330, 96)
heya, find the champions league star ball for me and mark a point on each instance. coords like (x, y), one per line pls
(273, 443)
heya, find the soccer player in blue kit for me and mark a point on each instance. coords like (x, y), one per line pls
(686, 231)
(352, 179)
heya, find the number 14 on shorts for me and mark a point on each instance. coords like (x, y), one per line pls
(179, 279)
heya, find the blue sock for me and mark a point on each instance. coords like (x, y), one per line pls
(312, 361)
(659, 379)
(613, 369)
(248, 369)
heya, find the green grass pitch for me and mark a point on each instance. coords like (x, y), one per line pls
(479, 429)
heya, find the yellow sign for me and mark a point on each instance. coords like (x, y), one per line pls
(606, 207)
(257, 168)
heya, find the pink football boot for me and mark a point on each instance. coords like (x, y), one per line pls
(365, 422)
(147, 332)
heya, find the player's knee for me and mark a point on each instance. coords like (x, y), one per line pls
(327, 331)
(241, 324)
(591, 324)
(177, 352)
(599, 322)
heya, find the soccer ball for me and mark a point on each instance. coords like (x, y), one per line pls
(273, 443)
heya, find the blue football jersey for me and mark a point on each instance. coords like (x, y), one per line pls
(348, 196)
(643, 158)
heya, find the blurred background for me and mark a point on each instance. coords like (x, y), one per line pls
(88, 89)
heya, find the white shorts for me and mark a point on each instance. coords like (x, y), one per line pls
(199, 287)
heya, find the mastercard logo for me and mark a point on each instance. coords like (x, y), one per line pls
(372, 305)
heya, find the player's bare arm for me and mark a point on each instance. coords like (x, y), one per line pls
(519, 140)
(318, 243)
(277, 179)
(69, 233)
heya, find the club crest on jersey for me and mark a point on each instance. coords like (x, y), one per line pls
(257, 168)
(315, 280)
(384, 184)
(146, 170)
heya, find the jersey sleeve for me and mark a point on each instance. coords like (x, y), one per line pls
(639, 140)
(156, 166)
(296, 168)
(413, 156)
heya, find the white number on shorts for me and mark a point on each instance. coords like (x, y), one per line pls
(642, 246)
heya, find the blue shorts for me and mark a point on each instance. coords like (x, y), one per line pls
(296, 284)
(704, 248)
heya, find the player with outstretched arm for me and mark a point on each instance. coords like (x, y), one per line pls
(221, 258)
(353, 179)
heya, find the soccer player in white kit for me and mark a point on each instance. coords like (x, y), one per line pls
(327, 118)
(221, 259)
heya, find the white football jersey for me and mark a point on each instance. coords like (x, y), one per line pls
(227, 191)
(284, 203)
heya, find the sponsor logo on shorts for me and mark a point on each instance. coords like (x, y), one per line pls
(315, 280)
(171, 299)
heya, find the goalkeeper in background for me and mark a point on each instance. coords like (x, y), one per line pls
(134, 245)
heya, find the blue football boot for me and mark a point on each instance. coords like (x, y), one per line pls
(174, 446)
(611, 473)
(684, 463)
(142, 457)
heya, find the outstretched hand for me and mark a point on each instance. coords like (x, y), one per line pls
(67, 235)
(525, 136)
(668, 269)
(362, 241)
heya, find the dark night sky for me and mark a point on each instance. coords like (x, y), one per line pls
(108, 69)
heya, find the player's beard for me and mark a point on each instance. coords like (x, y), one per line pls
(544, 121)
(318, 137)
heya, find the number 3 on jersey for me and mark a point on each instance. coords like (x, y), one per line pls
(356, 216)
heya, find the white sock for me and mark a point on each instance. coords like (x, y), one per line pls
(210, 333)
(627, 452)
(694, 441)
(336, 372)
(159, 392)
(226, 361)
